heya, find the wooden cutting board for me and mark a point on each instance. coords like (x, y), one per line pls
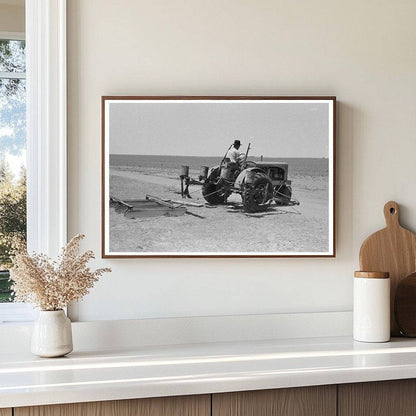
(393, 250)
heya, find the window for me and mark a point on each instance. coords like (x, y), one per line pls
(12, 154)
(45, 27)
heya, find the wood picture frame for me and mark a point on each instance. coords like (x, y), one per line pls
(157, 202)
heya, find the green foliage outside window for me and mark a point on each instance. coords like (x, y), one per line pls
(12, 145)
(12, 223)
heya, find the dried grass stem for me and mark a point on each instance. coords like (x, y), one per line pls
(53, 285)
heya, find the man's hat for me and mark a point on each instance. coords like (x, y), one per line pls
(237, 143)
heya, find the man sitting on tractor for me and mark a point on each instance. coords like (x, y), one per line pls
(233, 154)
(232, 162)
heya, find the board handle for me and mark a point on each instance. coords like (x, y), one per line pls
(391, 213)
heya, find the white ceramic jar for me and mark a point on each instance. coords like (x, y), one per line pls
(371, 305)
(52, 334)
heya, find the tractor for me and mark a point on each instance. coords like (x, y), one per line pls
(258, 183)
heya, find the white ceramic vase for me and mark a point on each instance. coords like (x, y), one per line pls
(52, 334)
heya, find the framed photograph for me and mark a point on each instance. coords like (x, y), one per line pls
(218, 176)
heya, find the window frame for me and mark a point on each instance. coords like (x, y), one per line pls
(12, 35)
(46, 125)
(46, 137)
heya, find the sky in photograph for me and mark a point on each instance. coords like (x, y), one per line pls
(275, 129)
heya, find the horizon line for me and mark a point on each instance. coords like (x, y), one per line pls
(265, 157)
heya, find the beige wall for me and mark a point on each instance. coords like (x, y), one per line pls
(361, 51)
(12, 18)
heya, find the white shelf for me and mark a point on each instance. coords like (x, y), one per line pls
(151, 371)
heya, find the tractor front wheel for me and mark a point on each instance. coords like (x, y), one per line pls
(282, 194)
(213, 193)
(257, 195)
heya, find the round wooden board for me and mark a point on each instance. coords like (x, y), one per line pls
(393, 250)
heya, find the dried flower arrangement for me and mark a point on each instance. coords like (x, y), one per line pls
(53, 285)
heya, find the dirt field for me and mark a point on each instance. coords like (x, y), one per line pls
(224, 228)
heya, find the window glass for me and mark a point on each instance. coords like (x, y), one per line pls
(12, 156)
(12, 56)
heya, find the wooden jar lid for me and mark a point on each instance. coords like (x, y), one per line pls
(372, 275)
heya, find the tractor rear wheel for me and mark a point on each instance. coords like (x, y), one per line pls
(213, 193)
(257, 195)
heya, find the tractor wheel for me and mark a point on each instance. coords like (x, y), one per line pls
(213, 193)
(257, 195)
(283, 194)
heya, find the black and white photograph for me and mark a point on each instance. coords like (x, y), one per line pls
(218, 176)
